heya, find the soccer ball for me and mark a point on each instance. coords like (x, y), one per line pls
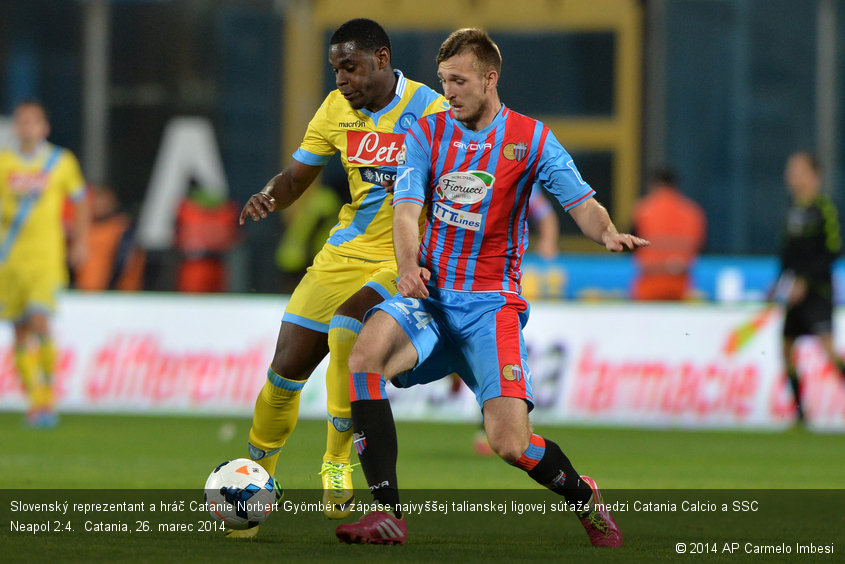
(240, 493)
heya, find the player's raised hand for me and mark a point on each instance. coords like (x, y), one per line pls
(412, 283)
(621, 242)
(258, 207)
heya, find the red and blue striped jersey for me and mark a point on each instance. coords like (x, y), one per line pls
(477, 185)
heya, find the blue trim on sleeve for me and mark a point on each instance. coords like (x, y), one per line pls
(311, 159)
(78, 193)
(409, 199)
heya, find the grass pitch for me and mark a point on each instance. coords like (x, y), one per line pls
(795, 477)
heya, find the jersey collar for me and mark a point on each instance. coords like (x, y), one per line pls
(40, 150)
(500, 117)
(401, 83)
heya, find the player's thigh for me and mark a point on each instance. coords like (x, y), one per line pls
(39, 297)
(329, 282)
(398, 334)
(380, 286)
(819, 315)
(303, 338)
(494, 347)
(443, 361)
(12, 295)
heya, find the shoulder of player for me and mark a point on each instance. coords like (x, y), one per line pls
(523, 125)
(425, 94)
(9, 156)
(823, 201)
(413, 87)
(333, 103)
(515, 117)
(63, 154)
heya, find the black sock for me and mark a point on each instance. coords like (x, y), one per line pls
(375, 440)
(546, 464)
(795, 386)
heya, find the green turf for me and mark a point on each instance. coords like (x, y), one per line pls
(120, 452)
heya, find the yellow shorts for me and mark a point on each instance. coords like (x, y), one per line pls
(331, 280)
(24, 291)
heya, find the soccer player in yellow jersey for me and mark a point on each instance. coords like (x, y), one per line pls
(35, 179)
(365, 119)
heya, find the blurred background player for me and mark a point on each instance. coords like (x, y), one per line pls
(114, 260)
(812, 241)
(677, 229)
(35, 179)
(206, 230)
(544, 219)
(364, 119)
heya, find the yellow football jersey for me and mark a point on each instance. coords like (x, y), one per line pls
(369, 144)
(33, 189)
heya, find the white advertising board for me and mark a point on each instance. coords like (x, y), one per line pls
(646, 365)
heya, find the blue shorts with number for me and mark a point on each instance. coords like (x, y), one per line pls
(476, 334)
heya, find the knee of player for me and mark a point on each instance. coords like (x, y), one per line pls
(282, 366)
(361, 359)
(508, 446)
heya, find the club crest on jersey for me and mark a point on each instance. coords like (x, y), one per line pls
(465, 187)
(515, 151)
(512, 372)
(407, 120)
(373, 147)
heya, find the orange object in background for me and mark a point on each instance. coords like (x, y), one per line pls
(676, 227)
(206, 229)
(113, 261)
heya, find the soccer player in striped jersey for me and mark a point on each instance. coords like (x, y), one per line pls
(365, 120)
(474, 167)
(36, 178)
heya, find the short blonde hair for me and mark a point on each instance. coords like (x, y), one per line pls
(477, 40)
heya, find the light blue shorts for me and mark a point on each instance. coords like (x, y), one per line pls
(476, 334)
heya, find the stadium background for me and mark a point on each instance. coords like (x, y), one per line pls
(722, 90)
(155, 95)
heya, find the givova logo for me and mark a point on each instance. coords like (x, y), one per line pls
(465, 187)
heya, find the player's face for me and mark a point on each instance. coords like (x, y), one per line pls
(355, 74)
(31, 125)
(800, 177)
(468, 90)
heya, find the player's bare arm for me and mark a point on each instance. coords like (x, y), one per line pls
(594, 222)
(78, 252)
(406, 245)
(281, 191)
